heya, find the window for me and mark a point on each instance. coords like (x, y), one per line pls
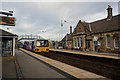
(7, 47)
(74, 42)
(78, 42)
(116, 43)
(108, 41)
(69, 44)
(42, 43)
(81, 42)
(89, 44)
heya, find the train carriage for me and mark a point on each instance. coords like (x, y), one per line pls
(36, 45)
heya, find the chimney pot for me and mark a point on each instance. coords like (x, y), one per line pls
(109, 6)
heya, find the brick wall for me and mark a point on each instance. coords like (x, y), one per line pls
(102, 41)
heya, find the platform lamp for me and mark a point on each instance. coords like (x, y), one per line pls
(62, 28)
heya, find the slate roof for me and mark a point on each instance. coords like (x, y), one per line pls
(69, 37)
(100, 26)
(106, 25)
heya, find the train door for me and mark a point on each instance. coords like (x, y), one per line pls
(33, 46)
(95, 46)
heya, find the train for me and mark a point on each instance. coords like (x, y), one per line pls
(36, 45)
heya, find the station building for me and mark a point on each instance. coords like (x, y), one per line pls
(101, 36)
(67, 41)
(7, 43)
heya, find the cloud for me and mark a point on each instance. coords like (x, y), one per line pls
(35, 17)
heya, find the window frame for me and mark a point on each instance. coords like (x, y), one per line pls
(78, 42)
(75, 45)
(81, 40)
(116, 47)
(88, 44)
(108, 43)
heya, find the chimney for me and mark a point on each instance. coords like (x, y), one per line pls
(109, 10)
(70, 29)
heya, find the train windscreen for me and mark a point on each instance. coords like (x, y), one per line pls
(43, 43)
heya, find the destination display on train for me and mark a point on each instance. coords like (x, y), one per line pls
(9, 21)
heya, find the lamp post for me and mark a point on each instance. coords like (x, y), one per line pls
(66, 42)
(62, 26)
(43, 31)
(62, 30)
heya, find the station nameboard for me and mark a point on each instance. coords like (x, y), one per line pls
(9, 21)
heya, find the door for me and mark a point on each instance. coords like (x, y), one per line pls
(95, 46)
(32, 45)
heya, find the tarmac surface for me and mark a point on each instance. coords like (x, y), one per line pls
(32, 68)
(8, 69)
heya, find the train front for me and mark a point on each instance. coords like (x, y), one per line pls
(42, 46)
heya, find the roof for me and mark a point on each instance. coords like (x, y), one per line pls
(30, 39)
(69, 37)
(100, 26)
(81, 28)
(5, 33)
(106, 25)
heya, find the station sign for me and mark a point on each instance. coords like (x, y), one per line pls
(9, 21)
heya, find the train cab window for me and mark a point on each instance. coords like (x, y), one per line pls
(42, 43)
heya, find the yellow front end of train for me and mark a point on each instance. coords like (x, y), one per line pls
(42, 46)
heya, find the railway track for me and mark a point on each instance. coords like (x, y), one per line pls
(109, 68)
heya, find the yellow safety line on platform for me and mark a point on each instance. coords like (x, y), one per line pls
(76, 72)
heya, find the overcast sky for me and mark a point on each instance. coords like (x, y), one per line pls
(44, 18)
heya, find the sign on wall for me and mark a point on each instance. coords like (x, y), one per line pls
(95, 38)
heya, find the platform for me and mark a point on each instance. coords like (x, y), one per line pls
(32, 68)
(105, 55)
(9, 70)
(76, 72)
